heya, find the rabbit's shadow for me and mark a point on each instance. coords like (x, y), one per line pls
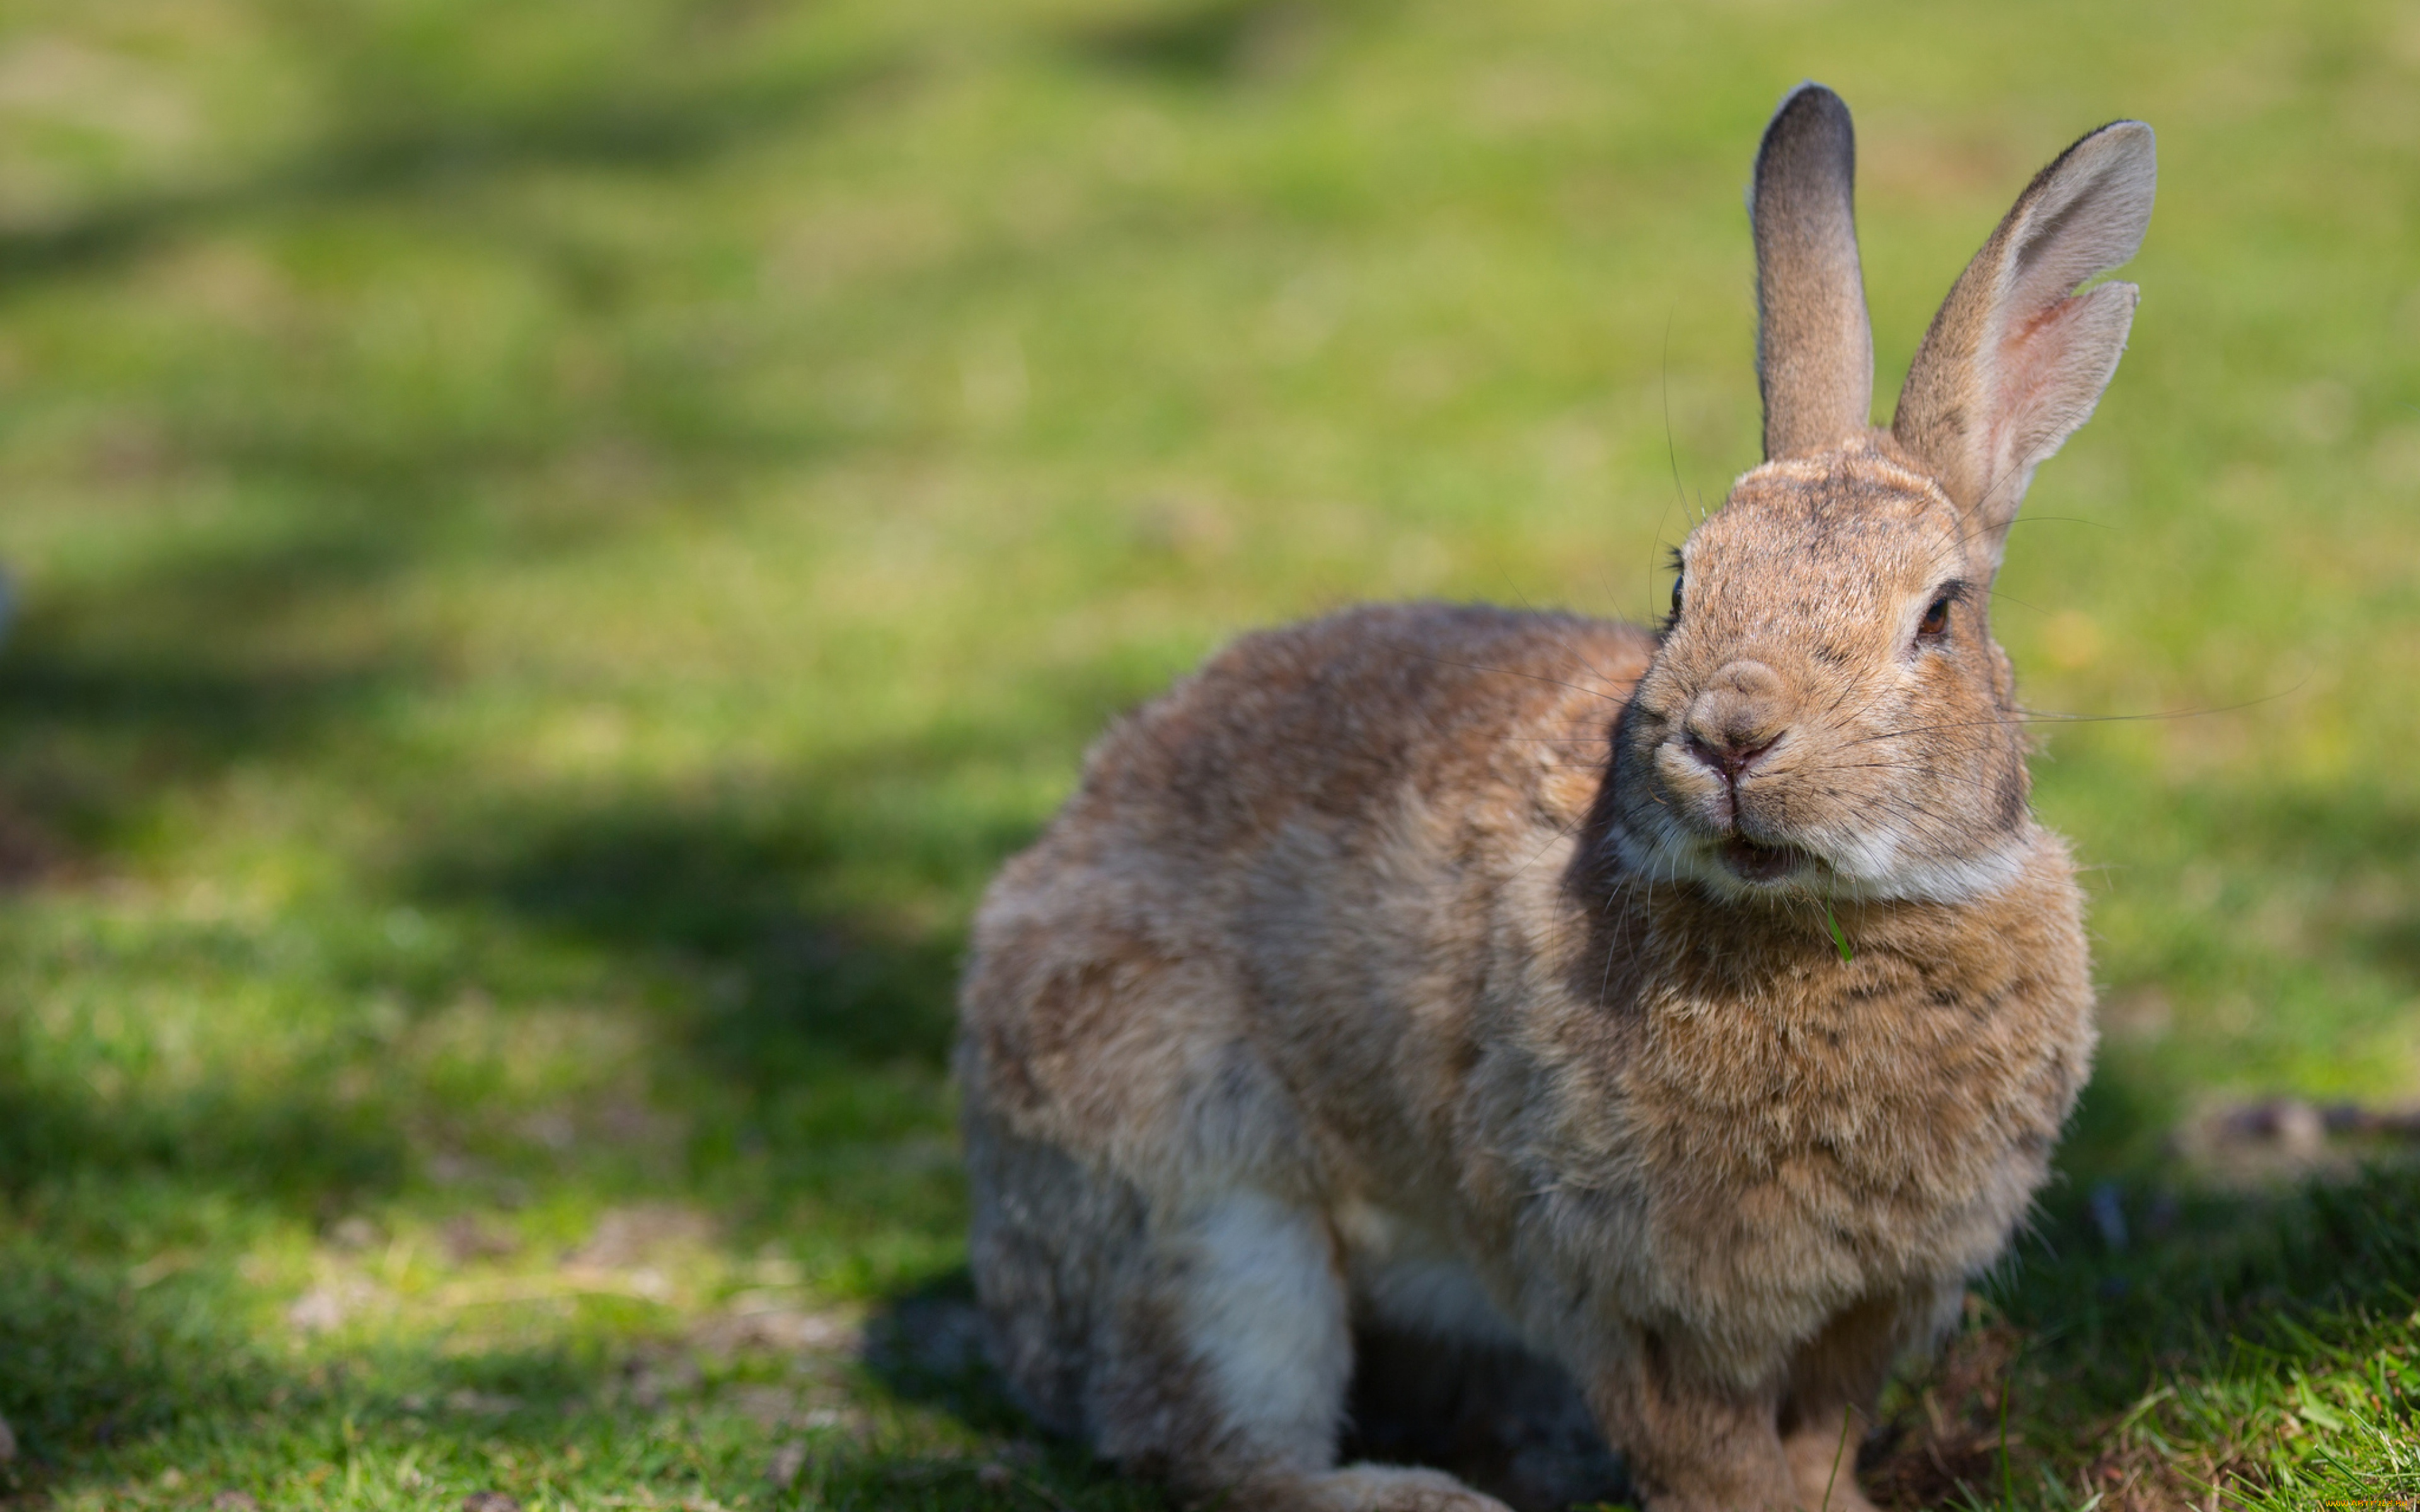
(1503, 1419)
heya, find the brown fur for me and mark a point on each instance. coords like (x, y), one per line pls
(1472, 974)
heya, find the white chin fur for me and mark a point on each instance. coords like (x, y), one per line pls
(1866, 867)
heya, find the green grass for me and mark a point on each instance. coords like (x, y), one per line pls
(558, 545)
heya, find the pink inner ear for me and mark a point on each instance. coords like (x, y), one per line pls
(2032, 386)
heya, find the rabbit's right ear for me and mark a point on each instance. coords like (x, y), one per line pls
(1814, 348)
(2016, 358)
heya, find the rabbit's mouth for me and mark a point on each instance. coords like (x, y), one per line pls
(1752, 862)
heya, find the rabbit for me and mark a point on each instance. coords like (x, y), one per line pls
(1692, 1008)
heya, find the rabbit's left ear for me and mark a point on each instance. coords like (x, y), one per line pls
(1814, 348)
(2016, 358)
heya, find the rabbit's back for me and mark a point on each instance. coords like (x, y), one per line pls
(1307, 839)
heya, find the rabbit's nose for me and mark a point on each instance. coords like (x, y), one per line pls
(1736, 717)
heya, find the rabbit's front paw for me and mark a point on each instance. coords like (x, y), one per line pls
(1824, 1464)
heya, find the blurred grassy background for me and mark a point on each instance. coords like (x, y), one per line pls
(556, 545)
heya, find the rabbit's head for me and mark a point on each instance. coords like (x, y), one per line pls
(1828, 711)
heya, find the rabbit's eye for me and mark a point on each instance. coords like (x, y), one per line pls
(1676, 597)
(1936, 619)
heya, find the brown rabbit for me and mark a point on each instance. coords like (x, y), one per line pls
(1694, 1010)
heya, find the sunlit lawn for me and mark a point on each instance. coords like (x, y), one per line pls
(555, 547)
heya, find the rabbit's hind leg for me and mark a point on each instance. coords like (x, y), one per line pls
(1207, 1347)
(1050, 1240)
(1251, 1311)
(1224, 1364)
